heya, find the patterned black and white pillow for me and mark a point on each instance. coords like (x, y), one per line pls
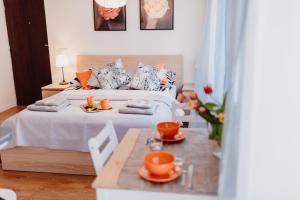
(116, 64)
(146, 78)
(75, 84)
(171, 77)
(113, 76)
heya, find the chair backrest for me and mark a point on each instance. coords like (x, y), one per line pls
(7, 194)
(100, 153)
(179, 115)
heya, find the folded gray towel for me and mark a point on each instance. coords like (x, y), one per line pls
(34, 107)
(142, 104)
(137, 111)
(52, 101)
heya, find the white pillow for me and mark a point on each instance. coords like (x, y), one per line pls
(93, 81)
(113, 75)
(146, 78)
(171, 77)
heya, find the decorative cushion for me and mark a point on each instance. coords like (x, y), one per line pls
(168, 81)
(83, 77)
(147, 78)
(75, 84)
(113, 75)
(93, 81)
(160, 66)
(124, 87)
(116, 64)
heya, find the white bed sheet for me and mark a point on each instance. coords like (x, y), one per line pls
(71, 128)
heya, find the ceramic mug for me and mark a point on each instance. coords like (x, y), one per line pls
(90, 101)
(104, 103)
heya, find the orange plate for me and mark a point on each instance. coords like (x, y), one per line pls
(143, 172)
(179, 137)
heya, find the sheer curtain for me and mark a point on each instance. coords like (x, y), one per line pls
(211, 64)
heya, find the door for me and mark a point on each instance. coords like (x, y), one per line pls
(27, 31)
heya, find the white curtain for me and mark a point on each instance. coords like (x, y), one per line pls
(211, 64)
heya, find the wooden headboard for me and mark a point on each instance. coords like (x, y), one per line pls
(172, 62)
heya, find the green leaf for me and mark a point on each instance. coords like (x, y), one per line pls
(200, 102)
(224, 102)
(220, 110)
(208, 117)
(214, 131)
(220, 132)
(210, 106)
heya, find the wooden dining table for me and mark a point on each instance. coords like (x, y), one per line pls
(119, 179)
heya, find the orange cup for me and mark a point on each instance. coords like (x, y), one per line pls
(159, 162)
(90, 101)
(168, 130)
(104, 103)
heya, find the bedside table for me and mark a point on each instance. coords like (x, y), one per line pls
(53, 89)
(187, 88)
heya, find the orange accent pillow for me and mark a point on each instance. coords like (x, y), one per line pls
(83, 77)
(160, 66)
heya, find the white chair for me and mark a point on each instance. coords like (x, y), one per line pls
(7, 194)
(5, 137)
(179, 114)
(106, 136)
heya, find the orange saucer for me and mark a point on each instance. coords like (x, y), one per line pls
(108, 108)
(144, 173)
(179, 137)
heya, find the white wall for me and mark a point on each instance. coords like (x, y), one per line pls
(70, 24)
(261, 154)
(7, 88)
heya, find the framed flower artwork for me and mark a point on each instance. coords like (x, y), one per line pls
(109, 19)
(157, 14)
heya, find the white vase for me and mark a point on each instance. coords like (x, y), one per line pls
(218, 154)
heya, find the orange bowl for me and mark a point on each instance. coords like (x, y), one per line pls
(168, 129)
(159, 162)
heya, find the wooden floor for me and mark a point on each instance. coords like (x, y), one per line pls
(44, 186)
(8, 113)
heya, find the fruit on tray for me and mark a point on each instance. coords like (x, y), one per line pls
(91, 107)
(90, 104)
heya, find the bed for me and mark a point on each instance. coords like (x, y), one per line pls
(57, 142)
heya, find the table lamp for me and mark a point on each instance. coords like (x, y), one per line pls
(61, 62)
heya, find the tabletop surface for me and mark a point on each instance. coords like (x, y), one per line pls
(121, 171)
(55, 86)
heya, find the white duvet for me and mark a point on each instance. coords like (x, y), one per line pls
(71, 128)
